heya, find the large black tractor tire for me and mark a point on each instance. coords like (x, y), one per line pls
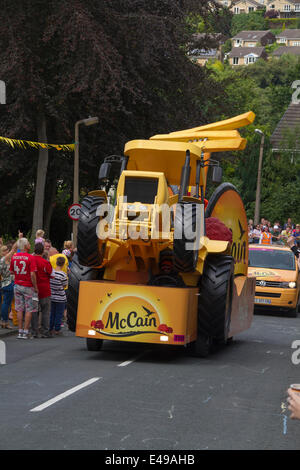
(87, 239)
(185, 260)
(214, 304)
(77, 273)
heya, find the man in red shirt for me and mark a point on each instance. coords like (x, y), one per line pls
(23, 266)
(43, 274)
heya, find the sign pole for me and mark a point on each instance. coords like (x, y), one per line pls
(76, 180)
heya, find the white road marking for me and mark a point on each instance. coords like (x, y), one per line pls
(65, 394)
(126, 363)
(2, 353)
(171, 411)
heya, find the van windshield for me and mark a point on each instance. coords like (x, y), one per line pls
(273, 259)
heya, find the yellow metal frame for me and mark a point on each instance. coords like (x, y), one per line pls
(162, 157)
(166, 152)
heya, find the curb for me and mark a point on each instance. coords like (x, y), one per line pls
(4, 333)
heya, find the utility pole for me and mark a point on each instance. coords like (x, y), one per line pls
(87, 122)
(258, 185)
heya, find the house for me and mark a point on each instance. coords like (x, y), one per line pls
(202, 56)
(245, 6)
(286, 135)
(246, 55)
(225, 3)
(205, 47)
(286, 8)
(213, 40)
(289, 37)
(286, 50)
(253, 38)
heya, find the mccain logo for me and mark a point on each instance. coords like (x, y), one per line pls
(129, 316)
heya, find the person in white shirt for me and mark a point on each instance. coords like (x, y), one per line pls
(256, 233)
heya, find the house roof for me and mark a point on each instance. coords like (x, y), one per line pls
(218, 37)
(293, 2)
(289, 33)
(243, 51)
(205, 41)
(253, 2)
(290, 122)
(204, 53)
(251, 35)
(294, 50)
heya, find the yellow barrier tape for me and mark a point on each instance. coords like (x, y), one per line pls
(23, 143)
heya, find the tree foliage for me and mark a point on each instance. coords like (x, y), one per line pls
(254, 20)
(123, 61)
(264, 88)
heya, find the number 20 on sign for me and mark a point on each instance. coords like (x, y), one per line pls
(74, 211)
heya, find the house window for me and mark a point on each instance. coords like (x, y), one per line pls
(236, 10)
(287, 7)
(238, 42)
(297, 7)
(250, 9)
(296, 43)
(250, 60)
(282, 40)
(272, 6)
(235, 61)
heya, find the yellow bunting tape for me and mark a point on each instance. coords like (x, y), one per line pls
(24, 143)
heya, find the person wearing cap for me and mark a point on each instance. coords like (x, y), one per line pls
(275, 231)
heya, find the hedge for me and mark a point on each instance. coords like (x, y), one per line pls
(279, 22)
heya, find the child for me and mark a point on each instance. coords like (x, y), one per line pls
(58, 282)
(68, 250)
(39, 237)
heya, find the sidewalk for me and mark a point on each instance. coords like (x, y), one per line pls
(4, 332)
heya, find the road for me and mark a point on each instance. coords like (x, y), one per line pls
(57, 395)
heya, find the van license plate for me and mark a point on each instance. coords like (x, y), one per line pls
(262, 301)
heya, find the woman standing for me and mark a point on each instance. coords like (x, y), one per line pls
(7, 283)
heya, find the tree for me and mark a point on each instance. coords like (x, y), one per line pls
(265, 89)
(248, 21)
(272, 14)
(122, 60)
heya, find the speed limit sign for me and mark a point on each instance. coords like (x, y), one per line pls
(74, 211)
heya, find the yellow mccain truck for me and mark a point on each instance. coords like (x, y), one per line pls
(162, 264)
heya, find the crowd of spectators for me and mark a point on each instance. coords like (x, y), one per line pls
(287, 234)
(34, 281)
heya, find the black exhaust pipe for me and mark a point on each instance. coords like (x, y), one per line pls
(185, 176)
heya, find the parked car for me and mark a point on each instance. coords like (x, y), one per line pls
(277, 278)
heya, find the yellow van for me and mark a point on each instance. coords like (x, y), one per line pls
(277, 278)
